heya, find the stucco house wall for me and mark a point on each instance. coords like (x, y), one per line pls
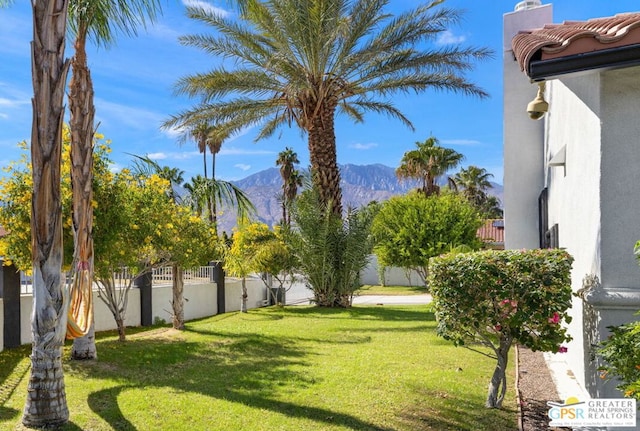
(593, 197)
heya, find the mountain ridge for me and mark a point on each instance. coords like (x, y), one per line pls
(360, 184)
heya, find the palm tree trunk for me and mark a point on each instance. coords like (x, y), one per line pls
(178, 298)
(214, 209)
(323, 157)
(84, 348)
(82, 112)
(46, 403)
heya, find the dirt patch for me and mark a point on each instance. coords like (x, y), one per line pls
(535, 388)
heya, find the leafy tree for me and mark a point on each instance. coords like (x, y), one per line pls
(46, 403)
(240, 258)
(498, 297)
(291, 180)
(275, 259)
(304, 62)
(474, 182)
(409, 230)
(427, 164)
(189, 240)
(331, 250)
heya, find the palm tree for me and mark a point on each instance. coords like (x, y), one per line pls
(207, 137)
(145, 166)
(291, 180)
(474, 182)
(202, 191)
(304, 61)
(427, 164)
(100, 20)
(46, 404)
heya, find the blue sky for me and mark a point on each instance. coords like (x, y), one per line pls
(134, 82)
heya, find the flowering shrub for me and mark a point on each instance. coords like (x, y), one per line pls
(497, 297)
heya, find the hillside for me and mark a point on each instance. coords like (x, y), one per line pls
(361, 184)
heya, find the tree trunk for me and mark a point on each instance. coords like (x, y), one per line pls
(498, 384)
(178, 298)
(323, 157)
(121, 329)
(84, 348)
(243, 307)
(82, 112)
(46, 403)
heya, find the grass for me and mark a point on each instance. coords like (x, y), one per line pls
(368, 289)
(297, 368)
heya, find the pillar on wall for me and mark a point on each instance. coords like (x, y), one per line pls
(144, 283)
(10, 293)
(218, 278)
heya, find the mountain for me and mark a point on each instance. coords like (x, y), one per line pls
(361, 184)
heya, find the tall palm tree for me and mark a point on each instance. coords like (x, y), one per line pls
(207, 136)
(304, 61)
(46, 404)
(99, 20)
(427, 163)
(474, 182)
(291, 180)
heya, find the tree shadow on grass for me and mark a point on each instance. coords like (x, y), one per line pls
(105, 404)
(246, 369)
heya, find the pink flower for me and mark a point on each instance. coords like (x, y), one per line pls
(498, 328)
(562, 349)
(555, 319)
(505, 301)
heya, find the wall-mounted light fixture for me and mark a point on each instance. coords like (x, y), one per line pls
(538, 106)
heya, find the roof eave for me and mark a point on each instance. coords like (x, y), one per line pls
(614, 58)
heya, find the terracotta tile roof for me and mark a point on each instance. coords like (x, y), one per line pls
(492, 231)
(576, 37)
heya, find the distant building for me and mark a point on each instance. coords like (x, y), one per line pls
(491, 233)
(572, 178)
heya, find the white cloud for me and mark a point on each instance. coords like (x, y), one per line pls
(461, 142)
(242, 166)
(206, 6)
(157, 156)
(4, 116)
(448, 38)
(233, 151)
(125, 115)
(360, 146)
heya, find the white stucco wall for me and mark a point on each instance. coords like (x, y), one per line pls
(573, 122)
(104, 319)
(523, 138)
(200, 300)
(233, 293)
(392, 276)
(595, 201)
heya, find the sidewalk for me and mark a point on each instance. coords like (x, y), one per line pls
(392, 299)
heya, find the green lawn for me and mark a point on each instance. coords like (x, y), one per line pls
(297, 368)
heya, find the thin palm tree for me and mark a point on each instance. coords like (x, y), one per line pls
(46, 403)
(207, 136)
(99, 20)
(428, 163)
(305, 61)
(291, 180)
